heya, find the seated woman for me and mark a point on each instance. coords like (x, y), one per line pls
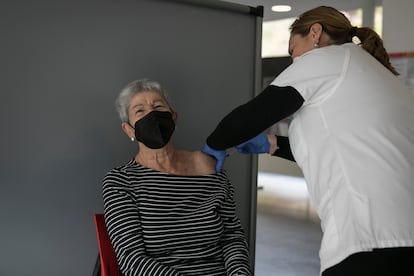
(167, 211)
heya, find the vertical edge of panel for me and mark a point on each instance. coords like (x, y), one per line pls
(254, 158)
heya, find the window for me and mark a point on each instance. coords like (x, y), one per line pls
(275, 37)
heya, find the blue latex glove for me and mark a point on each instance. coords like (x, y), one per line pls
(258, 144)
(220, 156)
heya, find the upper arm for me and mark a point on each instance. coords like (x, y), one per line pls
(125, 229)
(204, 163)
(248, 120)
(312, 80)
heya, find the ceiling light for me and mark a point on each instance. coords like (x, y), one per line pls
(281, 8)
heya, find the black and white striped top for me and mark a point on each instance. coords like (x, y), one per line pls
(163, 224)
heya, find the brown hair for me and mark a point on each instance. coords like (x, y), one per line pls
(337, 26)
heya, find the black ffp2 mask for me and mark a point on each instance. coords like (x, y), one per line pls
(155, 129)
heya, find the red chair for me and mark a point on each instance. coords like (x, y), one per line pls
(107, 257)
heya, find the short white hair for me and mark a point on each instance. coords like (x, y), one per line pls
(131, 89)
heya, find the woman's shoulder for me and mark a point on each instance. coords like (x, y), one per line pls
(119, 174)
(208, 159)
(121, 169)
(203, 163)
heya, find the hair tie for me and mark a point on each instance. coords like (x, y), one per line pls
(354, 31)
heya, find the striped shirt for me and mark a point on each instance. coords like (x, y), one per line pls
(163, 224)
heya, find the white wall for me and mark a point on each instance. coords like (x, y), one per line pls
(398, 22)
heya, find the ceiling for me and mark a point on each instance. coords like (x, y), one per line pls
(300, 6)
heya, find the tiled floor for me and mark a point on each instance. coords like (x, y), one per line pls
(288, 232)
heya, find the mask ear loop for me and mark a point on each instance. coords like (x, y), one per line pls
(131, 138)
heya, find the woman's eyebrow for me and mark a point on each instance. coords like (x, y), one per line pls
(160, 101)
(137, 106)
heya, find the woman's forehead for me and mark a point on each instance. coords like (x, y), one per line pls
(148, 95)
(147, 98)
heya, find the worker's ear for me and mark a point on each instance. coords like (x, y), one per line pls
(316, 31)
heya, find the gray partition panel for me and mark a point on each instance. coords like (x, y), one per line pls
(62, 64)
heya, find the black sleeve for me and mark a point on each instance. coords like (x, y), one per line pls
(284, 150)
(248, 120)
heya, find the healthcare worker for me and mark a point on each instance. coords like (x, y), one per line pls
(352, 134)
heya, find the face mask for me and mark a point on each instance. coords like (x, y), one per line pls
(154, 130)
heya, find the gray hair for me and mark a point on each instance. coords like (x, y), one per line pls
(133, 88)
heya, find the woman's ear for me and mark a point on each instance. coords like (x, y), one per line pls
(174, 116)
(316, 31)
(128, 129)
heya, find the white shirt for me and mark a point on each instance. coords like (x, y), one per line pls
(354, 141)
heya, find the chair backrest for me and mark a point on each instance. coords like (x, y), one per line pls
(109, 264)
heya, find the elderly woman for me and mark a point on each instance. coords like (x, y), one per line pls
(167, 211)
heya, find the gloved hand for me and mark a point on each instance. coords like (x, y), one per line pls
(220, 156)
(258, 144)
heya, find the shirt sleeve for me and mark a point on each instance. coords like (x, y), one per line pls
(248, 120)
(124, 229)
(233, 241)
(284, 150)
(315, 74)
